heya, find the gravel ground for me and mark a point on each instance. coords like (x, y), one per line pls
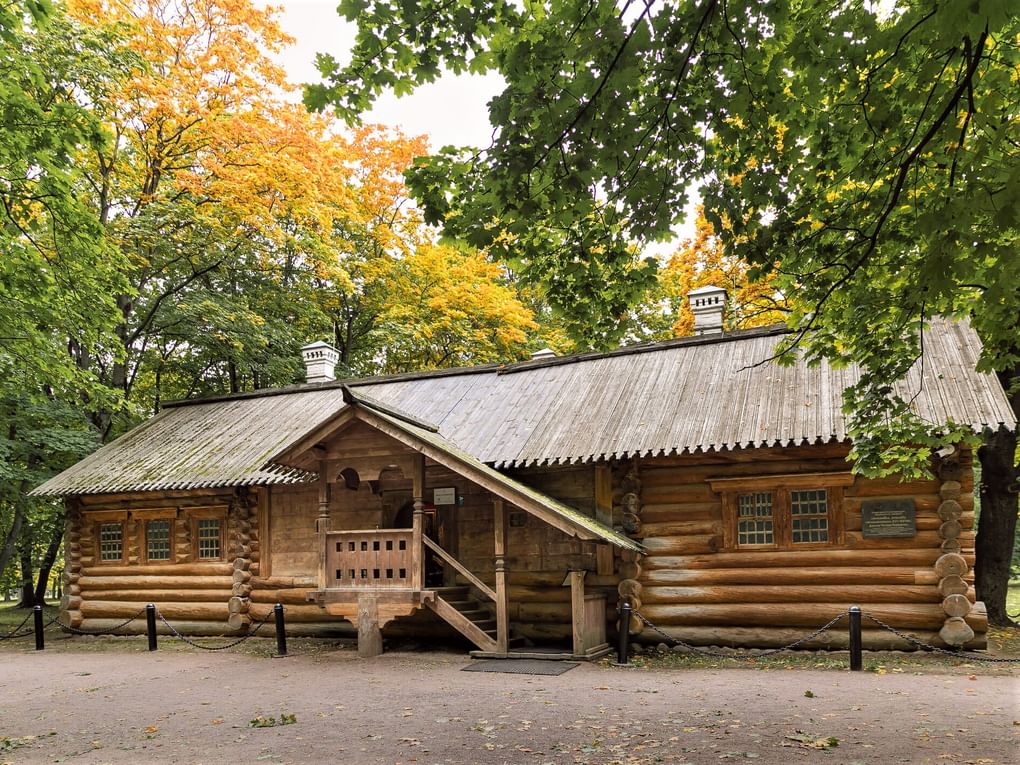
(130, 707)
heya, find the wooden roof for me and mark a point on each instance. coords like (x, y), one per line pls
(696, 394)
(424, 438)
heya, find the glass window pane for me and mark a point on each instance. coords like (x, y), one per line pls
(209, 538)
(157, 539)
(754, 519)
(111, 541)
(809, 512)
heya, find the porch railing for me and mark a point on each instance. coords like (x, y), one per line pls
(374, 559)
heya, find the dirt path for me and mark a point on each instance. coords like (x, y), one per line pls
(418, 708)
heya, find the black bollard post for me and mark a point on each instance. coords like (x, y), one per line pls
(150, 625)
(856, 649)
(281, 631)
(40, 642)
(623, 649)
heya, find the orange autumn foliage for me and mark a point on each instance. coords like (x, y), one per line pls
(701, 261)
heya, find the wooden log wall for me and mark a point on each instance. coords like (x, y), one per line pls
(198, 597)
(696, 590)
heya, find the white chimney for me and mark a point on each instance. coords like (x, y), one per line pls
(320, 361)
(708, 304)
(545, 353)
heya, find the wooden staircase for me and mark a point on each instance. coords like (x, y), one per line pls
(457, 607)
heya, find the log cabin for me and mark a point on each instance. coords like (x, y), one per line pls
(517, 504)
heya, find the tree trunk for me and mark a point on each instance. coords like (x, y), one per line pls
(27, 590)
(997, 524)
(14, 533)
(56, 537)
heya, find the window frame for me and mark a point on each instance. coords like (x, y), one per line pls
(144, 517)
(205, 513)
(781, 487)
(98, 519)
(170, 540)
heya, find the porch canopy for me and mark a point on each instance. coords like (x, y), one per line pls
(305, 455)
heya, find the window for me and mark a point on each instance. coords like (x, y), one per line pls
(809, 516)
(208, 538)
(782, 512)
(157, 540)
(111, 542)
(755, 523)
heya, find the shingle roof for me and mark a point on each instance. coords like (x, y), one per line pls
(698, 394)
(433, 445)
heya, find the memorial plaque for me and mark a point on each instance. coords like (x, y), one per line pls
(889, 518)
(444, 496)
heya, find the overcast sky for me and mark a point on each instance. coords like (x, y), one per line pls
(451, 111)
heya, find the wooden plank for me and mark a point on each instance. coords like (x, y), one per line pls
(786, 481)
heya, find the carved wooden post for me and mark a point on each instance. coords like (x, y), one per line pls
(502, 601)
(370, 641)
(417, 523)
(322, 522)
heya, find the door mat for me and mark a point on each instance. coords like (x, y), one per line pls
(521, 666)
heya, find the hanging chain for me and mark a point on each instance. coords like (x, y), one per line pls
(191, 642)
(957, 654)
(107, 631)
(752, 655)
(14, 633)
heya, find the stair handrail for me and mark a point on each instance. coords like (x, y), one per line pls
(489, 593)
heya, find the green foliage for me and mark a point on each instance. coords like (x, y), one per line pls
(864, 156)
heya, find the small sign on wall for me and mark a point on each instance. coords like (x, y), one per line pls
(445, 496)
(888, 518)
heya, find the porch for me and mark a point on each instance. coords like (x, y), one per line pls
(373, 576)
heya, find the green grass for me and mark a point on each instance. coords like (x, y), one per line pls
(1013, 598)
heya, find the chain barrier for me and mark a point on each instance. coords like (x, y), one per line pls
(746, 655)
(14, 633)
(189, 641)
(107, 631)
(958, 654)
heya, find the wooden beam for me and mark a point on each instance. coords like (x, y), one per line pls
(417, 523)
(465, 572)
(499, 524)
(604, 515)
(789, 481)
(576, 579)
(322, 522)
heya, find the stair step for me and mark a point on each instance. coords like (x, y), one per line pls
(485, 625)
(476, 614)
(452, 593)
(464, 605)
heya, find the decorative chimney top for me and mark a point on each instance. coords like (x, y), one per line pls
(320, 361)
(545, 353)
(708, 304)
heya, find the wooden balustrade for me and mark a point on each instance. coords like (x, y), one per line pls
(375, 559)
